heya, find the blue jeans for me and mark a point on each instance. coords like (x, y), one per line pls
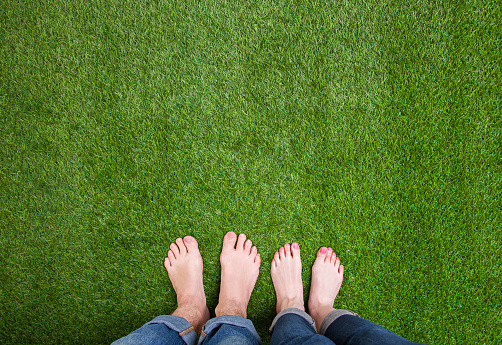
(290, 327)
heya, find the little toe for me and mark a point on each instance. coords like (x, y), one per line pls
(181, 246)
(295, 251)
(276, 257)
(167, 263)
(240, 242)
(341, 269)
(229, 241)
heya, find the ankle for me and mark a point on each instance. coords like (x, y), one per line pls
(191, 300)
(230, 308)
(319, 313)
(194, 314)
(295, 302)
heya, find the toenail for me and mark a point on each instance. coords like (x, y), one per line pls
(295, 245)
(323, 250)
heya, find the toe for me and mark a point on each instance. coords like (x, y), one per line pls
(171, 256)
(287, 250)
(273, 265)
(191, 244)
(276, 257)
(257, 259)
(229, 241)
(181, 246)
(247, 246)
(282, 253)
(336, 262)
(295, 250)
(240, 242)
(167, 263)
(254, 251)
(341, 269)
(321, 254)
(175, 249)
(329, 253)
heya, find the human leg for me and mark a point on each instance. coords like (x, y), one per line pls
(341, 326)
(240, 264)
(292, 324)
(184, 267)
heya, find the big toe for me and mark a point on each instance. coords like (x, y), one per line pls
(229, 241)
(321, 254)
(191, 244)
(295, 250)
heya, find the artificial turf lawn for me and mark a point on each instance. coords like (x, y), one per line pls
(371, 127)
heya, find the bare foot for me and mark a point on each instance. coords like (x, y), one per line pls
(184, 267)
(286, 274)
(240, 267)
(327, 278)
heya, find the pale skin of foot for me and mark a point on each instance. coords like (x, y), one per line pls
(240, 266)
(184, 267)
(286, 271)
(327, 278)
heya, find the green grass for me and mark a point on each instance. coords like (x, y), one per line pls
(373, 127)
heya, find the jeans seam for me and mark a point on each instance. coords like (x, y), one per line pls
(189, 329)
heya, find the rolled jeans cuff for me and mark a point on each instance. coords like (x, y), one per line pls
(296, 311)
(183, 327)
(228, 320)
(331, 317)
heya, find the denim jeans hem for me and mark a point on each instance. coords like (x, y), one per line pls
(331, 317)
(229, 320)
(183, 327)
(296, 311)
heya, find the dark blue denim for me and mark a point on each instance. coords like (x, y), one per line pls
(290, 327)
(353, 330)
(293, 329)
